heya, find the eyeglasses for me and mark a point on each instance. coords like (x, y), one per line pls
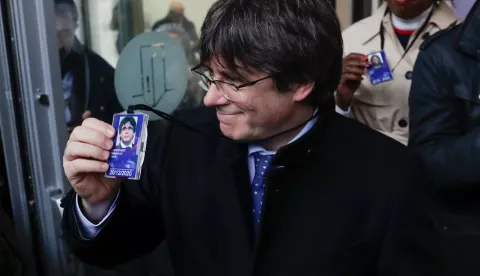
(229, 90)
(127, 128)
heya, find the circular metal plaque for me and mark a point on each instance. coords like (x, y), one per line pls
(152, 70)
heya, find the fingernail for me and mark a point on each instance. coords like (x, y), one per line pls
(104, 166)
(106, 155)
(110, 132)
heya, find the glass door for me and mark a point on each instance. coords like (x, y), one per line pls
(33, 135)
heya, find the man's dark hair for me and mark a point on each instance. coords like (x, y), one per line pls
(295, 41)
(130, 120)
(65, 6)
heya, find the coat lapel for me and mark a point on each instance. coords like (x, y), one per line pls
(232, 167)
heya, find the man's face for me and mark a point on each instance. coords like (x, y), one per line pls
(126, 133)
(408, 9)
(66, 27)
(258, 112)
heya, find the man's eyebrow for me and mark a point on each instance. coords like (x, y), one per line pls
(240, 72)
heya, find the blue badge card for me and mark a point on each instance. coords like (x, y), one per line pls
(379, 70)
(126, 157)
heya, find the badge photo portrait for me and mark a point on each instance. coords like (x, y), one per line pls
(376, 60)
(127, 132)
(124, 154)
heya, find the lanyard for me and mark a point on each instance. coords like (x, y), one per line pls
(418, 32)
(168, 117)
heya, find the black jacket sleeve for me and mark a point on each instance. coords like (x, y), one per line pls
(135, 227)
(436, 115)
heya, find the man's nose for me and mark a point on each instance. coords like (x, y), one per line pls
(214, 97)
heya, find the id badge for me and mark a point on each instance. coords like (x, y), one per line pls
(379, 70)
(126, 157)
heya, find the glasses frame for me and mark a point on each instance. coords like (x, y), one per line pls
(237, 87)
(126, 128)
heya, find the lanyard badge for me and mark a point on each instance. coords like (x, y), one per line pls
(379, 70)
(126, 157)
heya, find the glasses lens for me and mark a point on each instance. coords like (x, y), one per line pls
(228, 90)
(204, 83)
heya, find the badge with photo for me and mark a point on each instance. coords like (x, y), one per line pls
(126, 157)
(379, 70)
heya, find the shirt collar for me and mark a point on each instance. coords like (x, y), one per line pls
(125, 146)
(252, 148)
(442, 17)
(410, 24)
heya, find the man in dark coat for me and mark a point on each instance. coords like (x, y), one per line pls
(87, 79)
(274, 182)
(445, 131)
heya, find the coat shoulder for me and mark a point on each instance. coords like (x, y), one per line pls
(98, 63)
(373, 159)
(360, 26)
(443, 37)
(359, 33)
(364, 135)
(203, 119)
(365, 146)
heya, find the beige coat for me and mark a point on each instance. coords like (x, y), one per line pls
(384, 107)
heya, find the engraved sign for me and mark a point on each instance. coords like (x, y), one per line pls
(152, 70)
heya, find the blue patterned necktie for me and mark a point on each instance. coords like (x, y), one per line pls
(258, 186)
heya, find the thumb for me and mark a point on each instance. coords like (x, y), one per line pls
(86, 114)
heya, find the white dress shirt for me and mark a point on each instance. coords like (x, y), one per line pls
(90, 230)
(343, 112)
(123, 146)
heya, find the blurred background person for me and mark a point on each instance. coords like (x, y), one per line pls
(195, 93)
(87, 79)
(176, 15)
(398, 27)
(128, 21)
(445, 131)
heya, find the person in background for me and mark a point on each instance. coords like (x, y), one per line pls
(176, 15)
(195, 93)
(87, 79)
(398, 28)
(268, 190)
(445, 131)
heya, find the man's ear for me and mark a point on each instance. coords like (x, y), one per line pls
(302, 91)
